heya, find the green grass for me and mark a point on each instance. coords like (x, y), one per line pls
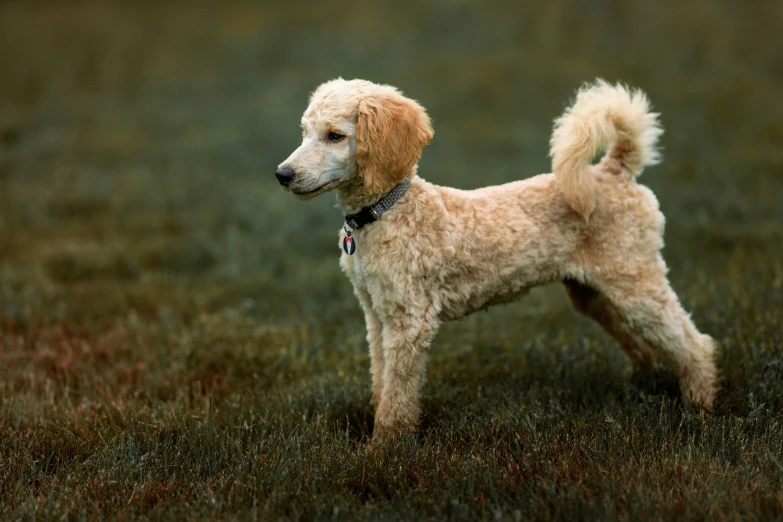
(177, 340)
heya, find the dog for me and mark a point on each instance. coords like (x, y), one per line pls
(419, 254)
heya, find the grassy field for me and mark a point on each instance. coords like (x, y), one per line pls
(176, 337)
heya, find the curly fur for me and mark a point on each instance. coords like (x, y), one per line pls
(442, 253)
(603, 114)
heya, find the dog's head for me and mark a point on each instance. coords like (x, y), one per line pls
(355, 132)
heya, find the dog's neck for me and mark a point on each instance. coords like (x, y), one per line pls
(354, 196)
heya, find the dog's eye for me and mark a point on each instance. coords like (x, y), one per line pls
(333, 136)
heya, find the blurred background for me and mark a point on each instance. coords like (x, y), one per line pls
(138, 142)
(153, 273)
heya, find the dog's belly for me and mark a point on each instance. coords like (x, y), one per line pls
(457, 301)
(458, 310)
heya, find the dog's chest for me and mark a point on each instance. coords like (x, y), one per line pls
(360, 267)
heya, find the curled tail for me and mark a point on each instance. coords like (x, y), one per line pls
(602, 115)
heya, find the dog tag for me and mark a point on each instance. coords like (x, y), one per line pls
(349, 245)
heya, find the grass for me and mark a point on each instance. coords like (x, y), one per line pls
(176, 338)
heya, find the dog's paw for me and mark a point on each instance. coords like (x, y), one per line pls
(393, 418)
(702, 394)
(383, 431)
(701, 384)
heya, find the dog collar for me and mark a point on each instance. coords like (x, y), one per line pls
(371, 213)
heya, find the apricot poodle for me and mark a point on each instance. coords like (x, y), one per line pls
(419, 254)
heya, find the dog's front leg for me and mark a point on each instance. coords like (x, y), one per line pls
(375, 340)
(406, 341)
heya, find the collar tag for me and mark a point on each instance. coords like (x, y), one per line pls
(349, 244)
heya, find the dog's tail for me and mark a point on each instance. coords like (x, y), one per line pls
(602, 115)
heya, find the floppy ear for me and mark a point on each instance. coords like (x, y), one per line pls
(390, 132)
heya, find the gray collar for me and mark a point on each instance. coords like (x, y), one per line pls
(373, 212)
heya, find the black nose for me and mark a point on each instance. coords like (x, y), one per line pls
(285, 175)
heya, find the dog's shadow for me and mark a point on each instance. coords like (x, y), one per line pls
(452, 405)
(639, 392)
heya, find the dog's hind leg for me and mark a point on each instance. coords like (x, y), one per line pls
(650, 309)
(593, 304)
